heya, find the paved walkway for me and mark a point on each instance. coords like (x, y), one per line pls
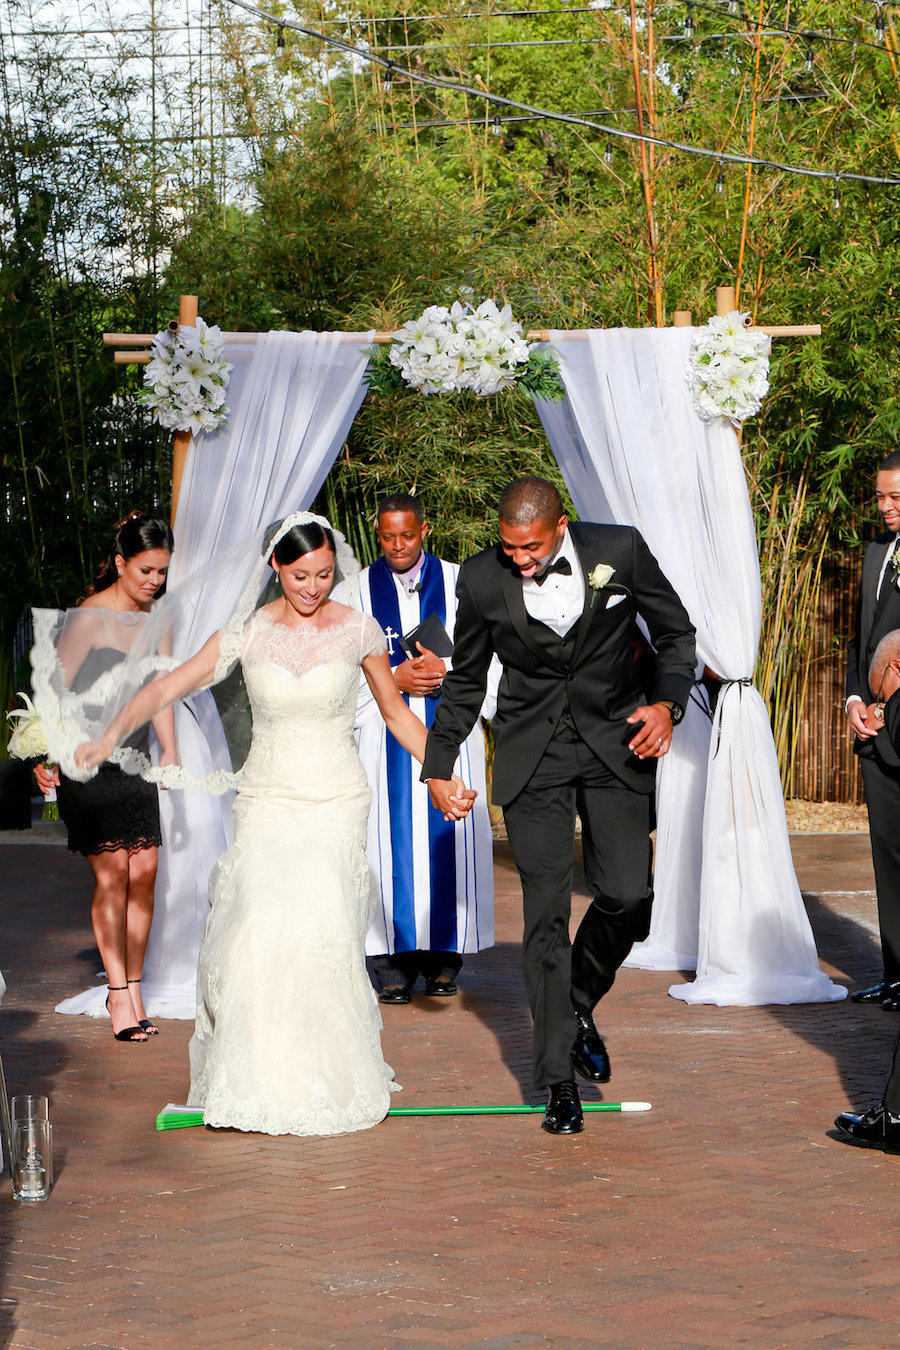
(729, 1216)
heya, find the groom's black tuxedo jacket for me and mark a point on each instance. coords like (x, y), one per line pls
(874, 620)
(591, 672)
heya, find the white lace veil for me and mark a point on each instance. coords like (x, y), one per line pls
(89, 662)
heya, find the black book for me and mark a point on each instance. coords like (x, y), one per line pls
(432, 634)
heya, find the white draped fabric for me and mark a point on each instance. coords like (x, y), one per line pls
(292, 398)
(633, 451)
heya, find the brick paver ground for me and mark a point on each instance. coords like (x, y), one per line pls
(730, 1216)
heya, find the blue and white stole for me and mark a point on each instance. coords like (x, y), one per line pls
(400, 769)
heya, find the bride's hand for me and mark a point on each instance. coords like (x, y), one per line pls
(168, 759)
(91, 754)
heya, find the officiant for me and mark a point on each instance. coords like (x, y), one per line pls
(434, 876)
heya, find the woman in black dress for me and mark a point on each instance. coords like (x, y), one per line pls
(114, 818)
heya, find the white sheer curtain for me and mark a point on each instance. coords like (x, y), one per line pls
(632, 451)
(292, 398)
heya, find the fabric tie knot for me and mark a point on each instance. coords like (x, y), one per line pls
(562, 565)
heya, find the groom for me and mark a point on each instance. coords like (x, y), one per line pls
(557, 603)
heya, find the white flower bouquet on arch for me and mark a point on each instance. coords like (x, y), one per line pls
(482, 350)
(728, 368)
(186, 380)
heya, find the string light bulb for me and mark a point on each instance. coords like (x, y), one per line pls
(279, 40)
(608, 153)
(734, 7)
(836, 199)
(496, 129)
(810, 65)
(388, 84)
(720, 179)
(879, 23)
(689, 20)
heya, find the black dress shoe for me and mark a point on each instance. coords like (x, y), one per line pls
(877, 994)
(563, 1114)
(440, 988)
(589, 1057)
(395, 993)
(875, 1128)
(891, 1000)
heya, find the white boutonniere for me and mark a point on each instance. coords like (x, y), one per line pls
(895, 564)
(599, 578)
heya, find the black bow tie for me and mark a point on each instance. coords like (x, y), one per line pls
(562, 565)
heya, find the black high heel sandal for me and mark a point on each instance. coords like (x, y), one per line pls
(127, 1033)
(144, 1023)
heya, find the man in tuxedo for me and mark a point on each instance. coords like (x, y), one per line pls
(877, 613)
(557, 604)
(879, 1127)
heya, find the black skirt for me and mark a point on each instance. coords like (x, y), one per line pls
(112, 810)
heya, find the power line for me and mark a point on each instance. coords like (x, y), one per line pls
(417, 77)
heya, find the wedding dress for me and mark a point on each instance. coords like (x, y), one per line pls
(287, 1037)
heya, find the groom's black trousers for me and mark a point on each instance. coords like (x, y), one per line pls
(540, 823)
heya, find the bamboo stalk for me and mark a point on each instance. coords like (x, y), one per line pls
(383, 337)
(187, 318)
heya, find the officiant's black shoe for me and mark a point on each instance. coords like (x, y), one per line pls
(440, 988)
(563, 1114)
(875, 1128)
(589, 1057)
(877, 994)
(395, 993)
(891, 1000)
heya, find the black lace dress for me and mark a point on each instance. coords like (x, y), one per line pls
(114, 809)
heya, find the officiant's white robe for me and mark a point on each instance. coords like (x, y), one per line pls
(435, 878)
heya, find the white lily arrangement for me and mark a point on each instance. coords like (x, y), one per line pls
(186, 380)
(728, 368)
(482, 350)
(28, 741)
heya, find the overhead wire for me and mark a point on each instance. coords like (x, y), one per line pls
(497, 100)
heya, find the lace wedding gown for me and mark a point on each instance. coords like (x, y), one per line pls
(287, 1038)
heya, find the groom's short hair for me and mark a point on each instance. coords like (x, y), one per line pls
(401, 501)
(890, 462)
(528, 499)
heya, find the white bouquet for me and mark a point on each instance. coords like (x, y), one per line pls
(186, 380)
(728, 368)
(482, 350)
(28, 741)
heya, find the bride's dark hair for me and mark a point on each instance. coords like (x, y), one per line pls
(136, 534)
(301, 539)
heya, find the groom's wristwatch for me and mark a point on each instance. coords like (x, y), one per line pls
(676, 712)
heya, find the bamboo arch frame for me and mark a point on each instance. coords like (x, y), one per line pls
(131, 349)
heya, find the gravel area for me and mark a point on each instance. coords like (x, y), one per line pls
(825, 817)
(802, 818)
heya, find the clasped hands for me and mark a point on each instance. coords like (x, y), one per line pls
(420, 675)
(451, 797)
(864, 720)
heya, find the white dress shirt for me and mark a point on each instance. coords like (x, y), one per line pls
(559, 601)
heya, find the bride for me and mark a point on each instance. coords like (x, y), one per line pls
(287, 1036)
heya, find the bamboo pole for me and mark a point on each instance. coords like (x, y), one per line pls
(187, 318)
(725, 301)
(141, 358)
